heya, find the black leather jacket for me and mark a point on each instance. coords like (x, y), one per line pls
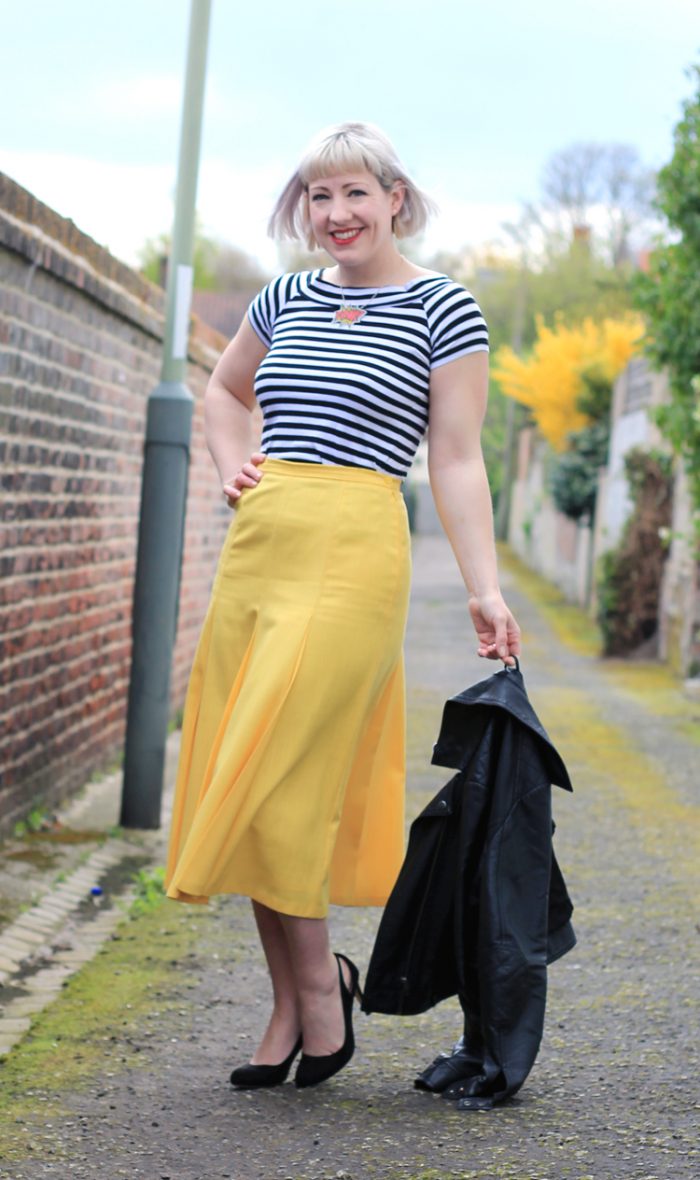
(480, 906)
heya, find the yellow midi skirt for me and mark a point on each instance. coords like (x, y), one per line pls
(290, 785)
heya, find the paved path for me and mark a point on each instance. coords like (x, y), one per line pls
(126, 1074)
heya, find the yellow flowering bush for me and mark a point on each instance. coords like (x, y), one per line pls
(552, 379)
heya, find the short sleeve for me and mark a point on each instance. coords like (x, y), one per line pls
(457, 326)
(265, 308)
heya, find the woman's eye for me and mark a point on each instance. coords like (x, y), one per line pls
(358, 192)
(319, 197)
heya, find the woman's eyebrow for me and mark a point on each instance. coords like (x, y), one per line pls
(318, 184)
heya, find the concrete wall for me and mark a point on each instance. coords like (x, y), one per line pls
(637, 392)
(679, 620)
(544, 538)
(80, 340)
(565, 552)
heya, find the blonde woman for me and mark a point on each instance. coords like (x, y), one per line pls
(291, 778)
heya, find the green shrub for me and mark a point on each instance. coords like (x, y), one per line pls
(573, 479)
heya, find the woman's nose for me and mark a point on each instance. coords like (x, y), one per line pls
(339, 211)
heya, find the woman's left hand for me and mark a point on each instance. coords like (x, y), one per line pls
(496, 629)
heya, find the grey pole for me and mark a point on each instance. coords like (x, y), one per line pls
(164, 480)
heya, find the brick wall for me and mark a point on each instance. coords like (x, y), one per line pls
(80, 340)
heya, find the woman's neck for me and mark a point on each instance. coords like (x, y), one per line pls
(393, 271)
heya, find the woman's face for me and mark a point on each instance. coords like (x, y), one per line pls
(351, 215)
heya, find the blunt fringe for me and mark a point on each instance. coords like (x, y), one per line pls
(345, 148)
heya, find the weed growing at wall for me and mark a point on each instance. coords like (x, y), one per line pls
(150, 890)
(629, 578)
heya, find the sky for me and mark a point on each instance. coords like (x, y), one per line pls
(475, 94)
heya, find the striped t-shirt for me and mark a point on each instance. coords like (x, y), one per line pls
(356, 394)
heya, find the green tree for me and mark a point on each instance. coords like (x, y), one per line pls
(669, 294)
(218, 266)
(569, 285)
(566, 284)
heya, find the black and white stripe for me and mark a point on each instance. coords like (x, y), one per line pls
(356, 396)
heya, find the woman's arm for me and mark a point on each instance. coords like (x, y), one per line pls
(458, 394)
(229, 403)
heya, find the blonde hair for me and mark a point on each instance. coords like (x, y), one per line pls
(345, 148)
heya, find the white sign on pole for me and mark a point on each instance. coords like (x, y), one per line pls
(181, 318)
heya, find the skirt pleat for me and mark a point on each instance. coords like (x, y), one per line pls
(291, 776)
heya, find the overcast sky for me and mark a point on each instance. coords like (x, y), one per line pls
(476, 94)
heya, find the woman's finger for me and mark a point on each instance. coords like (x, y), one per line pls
(501, 640)
(251, 471)
(248, 477)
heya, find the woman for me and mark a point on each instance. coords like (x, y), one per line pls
(290, 786)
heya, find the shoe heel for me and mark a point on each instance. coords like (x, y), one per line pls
(354, 988)
(313, 1070)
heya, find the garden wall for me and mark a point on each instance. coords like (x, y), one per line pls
(80, 346)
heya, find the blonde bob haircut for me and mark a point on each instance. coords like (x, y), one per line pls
(348, 147)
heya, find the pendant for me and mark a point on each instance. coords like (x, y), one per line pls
(346, 316)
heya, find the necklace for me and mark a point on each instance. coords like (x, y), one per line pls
(350, 314)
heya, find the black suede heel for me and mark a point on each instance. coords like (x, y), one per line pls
(254, 1077)
(312, 1070)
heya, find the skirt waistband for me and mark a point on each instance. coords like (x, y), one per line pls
(300, 470)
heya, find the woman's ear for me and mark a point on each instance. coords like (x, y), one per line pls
(398, 193)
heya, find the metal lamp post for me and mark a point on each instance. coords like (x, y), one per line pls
(164, 480)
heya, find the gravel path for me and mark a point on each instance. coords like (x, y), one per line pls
(614, 1093)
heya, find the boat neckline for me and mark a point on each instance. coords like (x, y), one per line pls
(317, 276)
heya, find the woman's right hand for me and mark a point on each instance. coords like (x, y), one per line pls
(496, 629)
(248, 477)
